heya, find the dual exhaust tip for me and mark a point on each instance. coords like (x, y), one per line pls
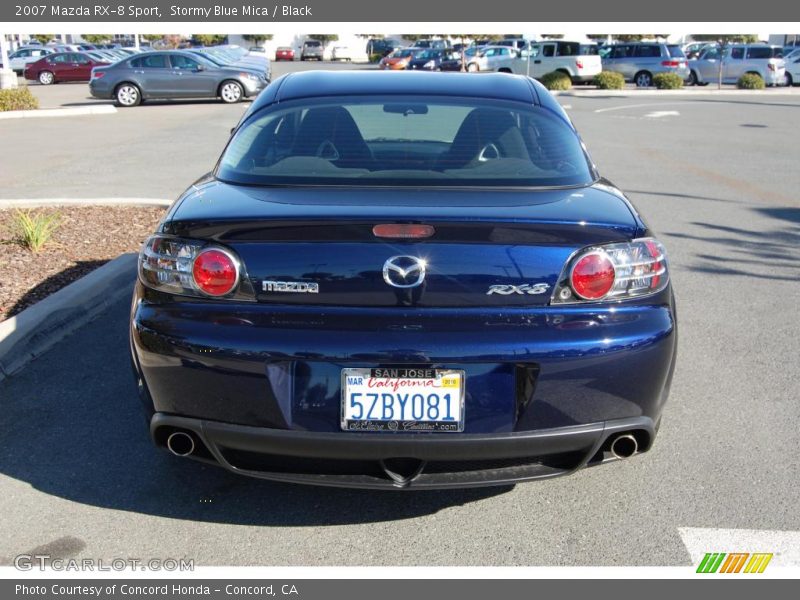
(180, 443)
(624, 446)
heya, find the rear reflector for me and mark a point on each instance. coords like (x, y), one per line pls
(671, 63)
(399, 231)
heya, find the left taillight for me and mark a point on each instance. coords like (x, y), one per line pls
(614, 272)
(97, 74)
(193, 268)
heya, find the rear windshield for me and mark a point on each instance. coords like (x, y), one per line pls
(676, 52)
(406, 141)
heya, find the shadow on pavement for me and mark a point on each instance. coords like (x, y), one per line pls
(72, 427)
(772, 254)
(53, 283)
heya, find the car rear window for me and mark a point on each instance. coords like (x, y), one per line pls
(648, 51)
(759, 53)
(405, 141)
(676, 52)
(312, 44)
(568, 48)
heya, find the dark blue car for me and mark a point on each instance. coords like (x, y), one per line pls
(405, 281)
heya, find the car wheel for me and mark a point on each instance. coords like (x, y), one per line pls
(127, 95)
(643, 79)
(231, 92)
(692, 79)
(788, 80)
(472, 68)
(46, 78)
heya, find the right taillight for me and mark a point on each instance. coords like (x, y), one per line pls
(614, 272)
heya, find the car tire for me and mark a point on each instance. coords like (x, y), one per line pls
(127, 95)
(472, 68)
(231, 92)
(46, 78)
(643, 79)
(692, 79)
(788, 81)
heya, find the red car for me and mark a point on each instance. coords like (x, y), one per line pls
(62, 66)
(284, 53)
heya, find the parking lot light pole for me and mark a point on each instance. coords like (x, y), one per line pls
(8, 78)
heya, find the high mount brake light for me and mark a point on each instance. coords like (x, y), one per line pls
(614, 272)
(402, 231)
(193, 268)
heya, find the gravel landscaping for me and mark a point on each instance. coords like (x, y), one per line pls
(85, 238)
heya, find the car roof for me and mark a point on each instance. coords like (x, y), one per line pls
(315, 84)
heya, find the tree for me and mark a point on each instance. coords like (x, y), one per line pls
(96, 38)
(208, 39)
(324, 37)
(43, 37)
(742, 38)
(553, 36)
(152, 37)
(257, 38)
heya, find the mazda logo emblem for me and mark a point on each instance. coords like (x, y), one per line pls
(404, 271)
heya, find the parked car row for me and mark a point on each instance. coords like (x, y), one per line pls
(214, 72)
(579, 61)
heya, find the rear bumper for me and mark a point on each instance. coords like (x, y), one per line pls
(401, 461)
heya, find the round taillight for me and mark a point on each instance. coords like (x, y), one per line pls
(215, 272)
(592, 276)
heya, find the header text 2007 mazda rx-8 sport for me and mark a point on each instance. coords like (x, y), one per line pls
(404, 281)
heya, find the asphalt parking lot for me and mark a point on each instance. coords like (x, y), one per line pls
(717, 179)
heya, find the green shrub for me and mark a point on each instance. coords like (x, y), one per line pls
(750, 81)
(609, 80)
(375, 57)
(556, 80)
(667, 81)
(18, 99)
(34, 230)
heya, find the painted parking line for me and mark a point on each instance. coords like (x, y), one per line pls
(646, 105)
(657, 114)
(783, 545)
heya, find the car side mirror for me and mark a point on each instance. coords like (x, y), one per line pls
(200, 68)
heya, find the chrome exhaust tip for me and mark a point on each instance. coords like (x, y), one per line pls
(624, 446)
(180, 443)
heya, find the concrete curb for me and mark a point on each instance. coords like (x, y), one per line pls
(35, 203)
(98, 109)
(38, 328)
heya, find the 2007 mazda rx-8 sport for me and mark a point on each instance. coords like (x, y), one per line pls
(403, 281)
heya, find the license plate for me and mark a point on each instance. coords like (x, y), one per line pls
(405, 399)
